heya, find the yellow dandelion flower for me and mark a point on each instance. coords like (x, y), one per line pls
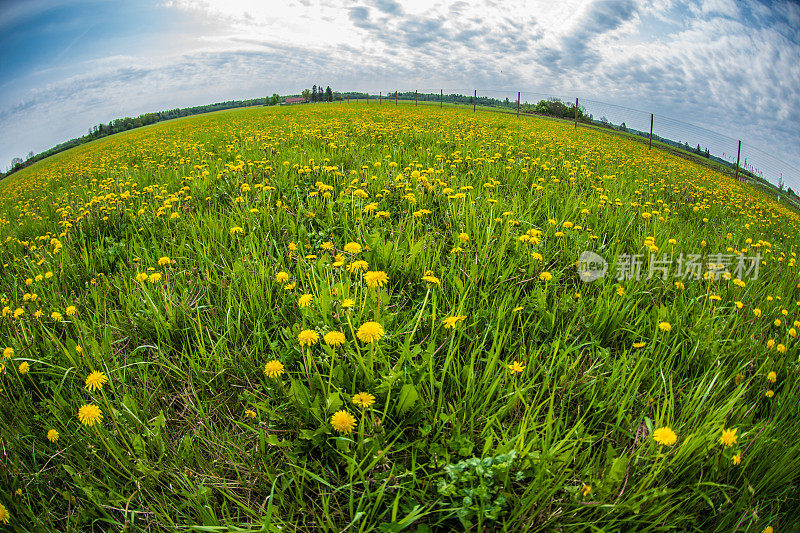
(363, 399)
(463, 237)
(585, 490)
(370, 332)
(52, 435)
(451, 321)
(8, 353)
(4, 515)
(772, 377)
(154, 278)
(348, 303)
(163, 261)
(141, 276)
(95, 381)
(55, 316)
(90, 415)
(665, 436)
(71, 310)
(515, 367)
(639, 344)
(357, 266)
(236, 230)
(273, 368)
(24, 367)
(545, 276)
(376, 278)
(281, 277)
(737, 459)
(305, 301)
(334, 338)
(352, 248)
(728, 437)
(307, 337)
(249, 413)
(770, 393)
(343, 422)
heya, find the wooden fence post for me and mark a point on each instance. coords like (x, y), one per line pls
(651, 132)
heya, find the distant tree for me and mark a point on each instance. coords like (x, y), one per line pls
(306, 94)
(328, 94)
(16, 161)
(314, 93)
(623, 127)
(275, 99)
(30, 155)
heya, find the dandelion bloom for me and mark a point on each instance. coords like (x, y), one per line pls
(728, 437)
(334, 338)
(343, 422)
(8, 353)
(545, 276)
(463, 237)
(154, 278)
(273, 368)
(71, 310)
(56, 316)
(78, 350)
(772, 377)
(665, 326)
(347, 303)
(164, 261)
(737, 459)
(307, 337)
(90, 414)
(363, 399)
(52, 435)
(357, 266)
(141, 276)
(516, 366)
(305, 300)
(370, 331)
(770, 344)
(18, 312)
(451, 321)
(95, 381)
(770, 393)
(376, 278)
(24, 367)
(517, 309)
(249, 413)
(585, 490)
(739, 378)
(665, 436)
(352, 248)
(757, 311)
(236, 230)
(281, 277)
(639, 344)
(430, 278)
(4, 516)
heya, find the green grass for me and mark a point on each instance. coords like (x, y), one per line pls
(455, 439)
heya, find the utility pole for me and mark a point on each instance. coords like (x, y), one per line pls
(474, 100)
(415, 97)
(738, 153)
(518, 104)
(576, 113)
(441, 97)
(395, 97)
(380, 97)
(651, 132)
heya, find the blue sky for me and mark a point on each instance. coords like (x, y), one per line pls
(731, 67)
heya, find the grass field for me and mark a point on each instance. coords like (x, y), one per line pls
(369, 318)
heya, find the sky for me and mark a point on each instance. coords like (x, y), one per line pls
(712, 71)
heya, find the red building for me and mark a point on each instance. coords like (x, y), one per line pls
(295, 101)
